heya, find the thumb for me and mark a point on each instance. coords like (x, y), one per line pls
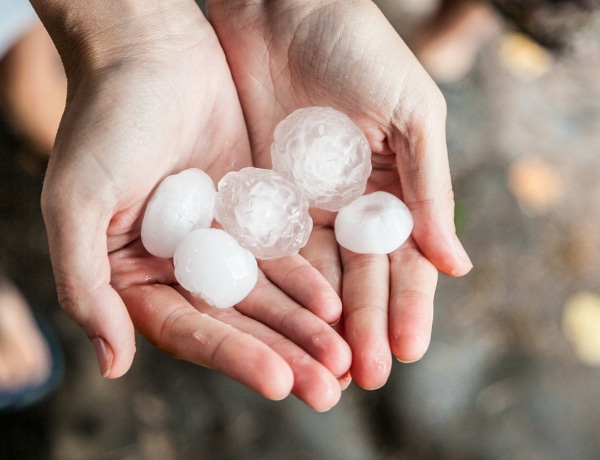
(78, 250)
(422, 158)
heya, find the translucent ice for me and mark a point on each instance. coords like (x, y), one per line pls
(182, 202)
(210, 264)
(323, 152)
(377, 223)
(266, 213)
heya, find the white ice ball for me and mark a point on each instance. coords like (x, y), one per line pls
(210, 264)
(324, 153)
(181, 203)
(377, 223)
(267, 214)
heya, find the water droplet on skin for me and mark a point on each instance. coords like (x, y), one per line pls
(316, 339)
(201, 338)
(382, 366)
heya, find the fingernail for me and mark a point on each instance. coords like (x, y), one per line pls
(345, 380)
(104, 355)
(462, 254)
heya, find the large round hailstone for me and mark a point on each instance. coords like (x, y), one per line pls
(324, 153)
(210, 264)
(377, 223)
(181, 203)
(267, 214)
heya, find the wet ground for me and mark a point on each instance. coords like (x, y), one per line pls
(507, 375)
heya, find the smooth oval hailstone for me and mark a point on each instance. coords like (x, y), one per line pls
(180, 204)
(267, 214)
(376, 223)
(324, 153)
(210, 264)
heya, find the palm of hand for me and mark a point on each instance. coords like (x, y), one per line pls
(126, 131)
(284, 56)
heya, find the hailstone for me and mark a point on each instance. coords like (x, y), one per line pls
(210, 264)
(266, 213)
(376, 223)
(181, 203)
(324, 153)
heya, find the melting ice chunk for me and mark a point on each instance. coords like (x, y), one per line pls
(182, 202)
(377, 223)
(267, 214)
(210, 264)
(323, 152)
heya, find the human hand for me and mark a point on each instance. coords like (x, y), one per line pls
(287, 54)
(150, 94)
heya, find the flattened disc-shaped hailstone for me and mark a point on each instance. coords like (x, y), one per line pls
(267, 214)
(324, 153)
(377, 223)
(210, 264)
(181, 203)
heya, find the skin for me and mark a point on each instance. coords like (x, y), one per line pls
(33, 87)
(150, 94)
(24, 355)
(286, 54)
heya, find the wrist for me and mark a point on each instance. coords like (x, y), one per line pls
(92, 35)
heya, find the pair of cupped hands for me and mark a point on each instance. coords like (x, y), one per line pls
(155, 88)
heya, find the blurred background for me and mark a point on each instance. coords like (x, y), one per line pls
(513, 371)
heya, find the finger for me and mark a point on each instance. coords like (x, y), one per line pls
(167, 319)
(420, 144)
(313, 383)
(413, 283)
(77, 242)
(301, 281)
(322, 251)
(272, 307)
(365, 301)
(345, 380)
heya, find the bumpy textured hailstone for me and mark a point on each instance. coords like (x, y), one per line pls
(377, 223)
(210, 264)
(323, 152)
(267, 214)
(181, 203)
